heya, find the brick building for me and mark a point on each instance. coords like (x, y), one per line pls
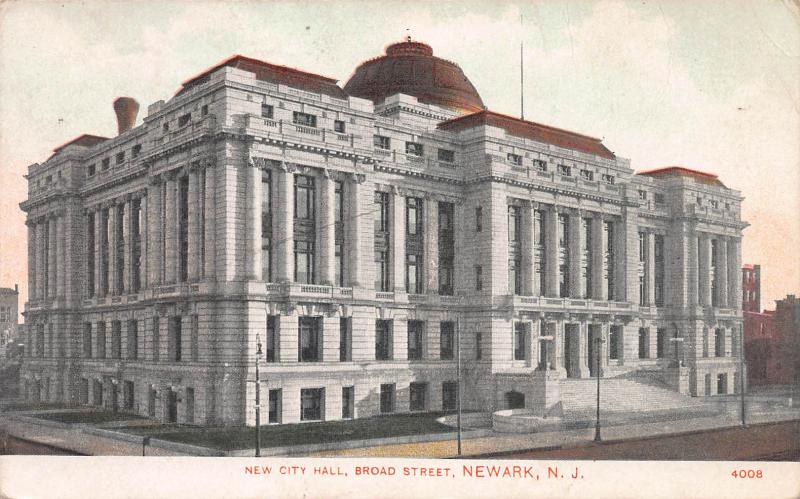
(9, 313)
(366, 235)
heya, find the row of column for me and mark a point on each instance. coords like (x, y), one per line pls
(724, 278)
(47, 278)
(577, 246)
(164, 217)
(282, 186)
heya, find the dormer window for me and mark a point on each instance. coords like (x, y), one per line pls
(540, 164)
(514, 159)
(587, 175)
(184, 120)
(338, 126)
(565, 170)
(413, 148)
(304, 119)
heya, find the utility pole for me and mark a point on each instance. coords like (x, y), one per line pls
(258, 398)
(741, 373)
(458, 367)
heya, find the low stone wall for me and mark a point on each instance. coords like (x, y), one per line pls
(523, 421)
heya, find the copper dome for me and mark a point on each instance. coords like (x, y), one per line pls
(410, 68)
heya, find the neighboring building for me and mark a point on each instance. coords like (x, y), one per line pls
(772, 343)
(366, 235)
(9, 312)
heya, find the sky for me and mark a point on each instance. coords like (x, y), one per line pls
(708, 85)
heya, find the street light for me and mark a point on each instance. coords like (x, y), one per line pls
(258, 398)
(598, 342)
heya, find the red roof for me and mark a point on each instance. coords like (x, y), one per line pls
(530, 130)
(84, 140)
(680, 171)
(273, 73)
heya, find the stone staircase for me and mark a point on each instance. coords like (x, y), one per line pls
(621, 395)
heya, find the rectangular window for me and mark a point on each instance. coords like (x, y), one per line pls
(446, 247)
(133, 339)
(338, 217)
(348, 402)
(90, 253)
(383, 340)
(414, 149)
(416, 334)
(304, 119)
(381, 211)
(413, 216)
(310, 340)
(643, 343)
(87, 340)
(272, 338)
(514, 159)
(116, 340)
(587, 175)
(84, 395)
(658, 258)
(156, 338)
(661, 339)
(658, 198)
(339, 126)
(266, 225)
(719, 342)
(267, 111)
(446, 156)
(449, 396)
(608, 227)
(565, 170)
(204, 110)
(514, 276)
(105, 164)
(304, 262)
(382, 271)
(478, 278)
(90, 170)
(478, 219)
(119, 245)
(514, 223)
(104, 253)
(478, 346)
(176, 338)
(101, 340)
(413, 281)
(303, 197)
(345, 339)
(184, 120)
(381, 142)
(608, 179)
(387, 398)
(311, 402)
(418, 393)
(540, 164)
(614, 342)
(120, 158)
(447, 340)
(275, 397)
(520, 341)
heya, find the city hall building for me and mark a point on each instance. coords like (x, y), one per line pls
(366, 236)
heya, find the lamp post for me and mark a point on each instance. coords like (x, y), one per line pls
(458, 369)
(258, 398)
(598, 342)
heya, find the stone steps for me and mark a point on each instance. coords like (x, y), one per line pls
(578, 397)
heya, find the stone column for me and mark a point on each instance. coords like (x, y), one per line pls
(112, 249)
(734, 273)
(32, 269)
(326, 231)
(583, 348)
(283, 225)
(170, 235)
(153, 232)
(528, 238)
(356, 248)
(722, 272)
(126, 229)
(253, 267)
(99, 284)
(194, 224)
(599, 247)
(551, 251)
(704, 267)
(650, 267)
(210, 221)
(398, 236)
(40, 263)
(52, 253)
(575, 245)
(62, 256)
(431, 235)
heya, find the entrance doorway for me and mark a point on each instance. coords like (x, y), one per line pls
(572, 356)
(722, 384)
(172, 406)
(515, 400)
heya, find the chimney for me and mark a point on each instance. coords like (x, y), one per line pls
(126, 108)
(16, 288)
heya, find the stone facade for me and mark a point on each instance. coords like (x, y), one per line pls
(365, 247)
